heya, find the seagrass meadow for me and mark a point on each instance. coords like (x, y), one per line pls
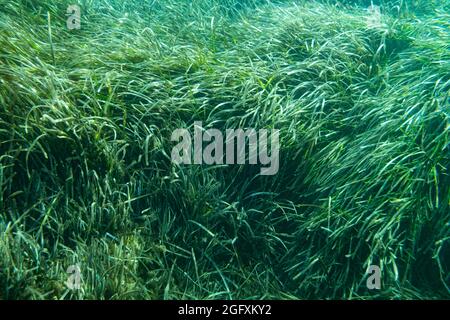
(86, 177)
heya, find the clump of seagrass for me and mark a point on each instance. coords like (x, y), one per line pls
(86, 176)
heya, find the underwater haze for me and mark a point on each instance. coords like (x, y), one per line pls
(224, 149)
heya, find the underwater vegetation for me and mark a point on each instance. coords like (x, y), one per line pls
(86, 177)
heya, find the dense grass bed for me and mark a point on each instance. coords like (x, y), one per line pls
(86, 176)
